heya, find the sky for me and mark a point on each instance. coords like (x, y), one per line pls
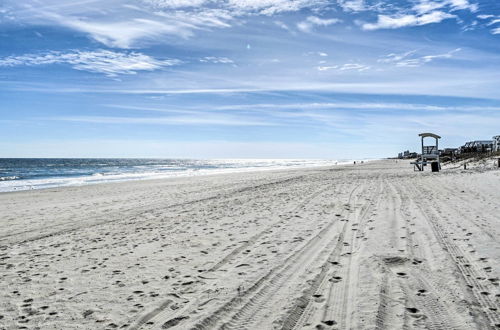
(337, 79)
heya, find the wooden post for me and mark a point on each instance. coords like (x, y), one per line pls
(437, 150)
(435, 166)
(422, 157)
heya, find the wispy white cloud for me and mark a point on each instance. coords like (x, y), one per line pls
(485, 16)
(354, 66)
(494, 21)
(491, 20)
(133, 24)
(174, 3)
(357, 106)
(241, 7)
(270, 7)
(422, 12)
(352, 5)
(408, 59)
(151, 108)
(399, 21)
(200, 110)
(123, 25)
(313, 21)
(137, 23)
(426, 6)
(282, 25)
(215, 59)
(345, 67)
(327, 67)
(320, 54)
(394, 58)
(200, 119)
(100, 61)
(127, 33)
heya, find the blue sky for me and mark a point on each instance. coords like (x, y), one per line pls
(245, 79)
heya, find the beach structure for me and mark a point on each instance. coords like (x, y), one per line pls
(478, 146)
(467, 147)
(429, 153)
(496, 143)
(448, 154)
(483, 146)
(407, 155)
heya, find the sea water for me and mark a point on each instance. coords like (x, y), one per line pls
(36, 173)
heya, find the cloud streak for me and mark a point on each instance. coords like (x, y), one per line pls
(409, 60)
(138, 23)
(312, 21)
(101, 61)
(357, 106)
(400, 21)
(346, 67)
(200, 119)
(425, 6)
(133, 24)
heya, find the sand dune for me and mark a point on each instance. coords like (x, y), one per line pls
(372, 246)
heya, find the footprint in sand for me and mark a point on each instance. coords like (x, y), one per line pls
(325, 324)
(416, 261)
(494, 280)
(412, 310)
(173, 322)
(335, 279)
(421, 292)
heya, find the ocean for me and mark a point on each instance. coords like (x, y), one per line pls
(38, 173)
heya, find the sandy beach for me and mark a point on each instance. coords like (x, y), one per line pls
(371, 246)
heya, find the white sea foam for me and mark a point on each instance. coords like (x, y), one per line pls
(8, 178)
(217, 166)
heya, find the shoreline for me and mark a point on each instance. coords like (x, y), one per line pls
(99, 178)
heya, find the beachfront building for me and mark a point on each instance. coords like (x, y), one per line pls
(496, 143)
(479, 146)
(466, 148)
(483, 146)
(407, 155)
(448, 151)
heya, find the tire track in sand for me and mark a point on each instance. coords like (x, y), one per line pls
(467, 269)
(233, 254)
(420, 287)
(240, 312)
(161, 315)
(335, 307)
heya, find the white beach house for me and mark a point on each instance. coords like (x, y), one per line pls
(496, 143)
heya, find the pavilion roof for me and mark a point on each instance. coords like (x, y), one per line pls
(429, 135)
